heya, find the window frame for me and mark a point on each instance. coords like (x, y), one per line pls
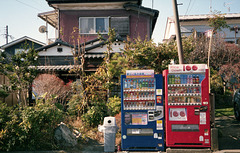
(94, 25)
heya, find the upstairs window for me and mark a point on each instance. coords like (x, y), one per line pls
(93, 25)
(120, 24)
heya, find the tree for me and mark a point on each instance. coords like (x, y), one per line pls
(138, 54)
(18, 71)
(224, 57)
(91, 92)
(217, 22)
(49, 86)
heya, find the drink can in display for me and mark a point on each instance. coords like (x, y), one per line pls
(191, 80)
(194, 79)
(173, 79)
(169, 79)
(197, 79)
(140, 84)
(181, 78)
(188, 81)
(125, 83)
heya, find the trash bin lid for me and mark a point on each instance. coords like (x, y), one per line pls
(109, 121)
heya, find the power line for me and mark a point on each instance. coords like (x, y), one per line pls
(188, 6)
(192, 5)
(28, 5)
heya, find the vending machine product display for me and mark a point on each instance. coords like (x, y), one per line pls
(142, 123)
(187, 106)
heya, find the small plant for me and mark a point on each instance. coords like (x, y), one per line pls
(30, 128)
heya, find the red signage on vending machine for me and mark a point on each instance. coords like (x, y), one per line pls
(187, 106)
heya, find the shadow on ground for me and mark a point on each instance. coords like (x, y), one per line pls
(229, 132)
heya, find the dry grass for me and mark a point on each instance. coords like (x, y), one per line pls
(88, 133)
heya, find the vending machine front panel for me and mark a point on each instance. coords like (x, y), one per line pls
(142, 111)
(187, 106)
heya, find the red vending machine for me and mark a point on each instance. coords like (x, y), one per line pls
(187, 112)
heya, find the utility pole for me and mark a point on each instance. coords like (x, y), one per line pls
(6, 34)
(178, 32)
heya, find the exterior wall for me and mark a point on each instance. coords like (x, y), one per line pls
(66, 51)
(139, 24)
(11, 99)
(11, 50)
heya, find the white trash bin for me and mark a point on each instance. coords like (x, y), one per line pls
(109, 128)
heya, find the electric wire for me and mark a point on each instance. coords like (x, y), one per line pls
(28, 5)
(188, 7)
(192, 5)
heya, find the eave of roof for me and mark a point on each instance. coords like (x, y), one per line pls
(205, 17)
(144, 10)
(58, 42)
(50, 2)
(20, 40)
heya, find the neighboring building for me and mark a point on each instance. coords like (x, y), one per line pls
(189, 23)
(19, 45)
(10, 49)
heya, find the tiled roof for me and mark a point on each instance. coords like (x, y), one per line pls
(55, 67)
(90, 1)
(61, 68)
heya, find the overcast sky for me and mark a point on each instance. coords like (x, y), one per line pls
(21, 15)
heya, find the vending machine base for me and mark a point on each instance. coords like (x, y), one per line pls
(174, 150)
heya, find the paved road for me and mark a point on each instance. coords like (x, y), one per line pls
(229, 132)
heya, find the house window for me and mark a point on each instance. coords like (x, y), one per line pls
(120, 24)
(59, 50)
(19, 51)
(93, 25)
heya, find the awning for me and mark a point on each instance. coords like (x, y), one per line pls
(50, 17)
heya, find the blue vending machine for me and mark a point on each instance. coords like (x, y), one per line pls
(142, 116)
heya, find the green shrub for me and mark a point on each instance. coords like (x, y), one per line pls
(3, 93)
(30, 128)
(95, 114)
(114, 105)
(4, 114)
(216, 83)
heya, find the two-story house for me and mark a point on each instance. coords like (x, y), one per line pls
(92, 18)
(199, 23)
(88, 19)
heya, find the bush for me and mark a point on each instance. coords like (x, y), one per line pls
(216, 83)
(114, 105)
(3, 93)
(95, 114)
(31, 128)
